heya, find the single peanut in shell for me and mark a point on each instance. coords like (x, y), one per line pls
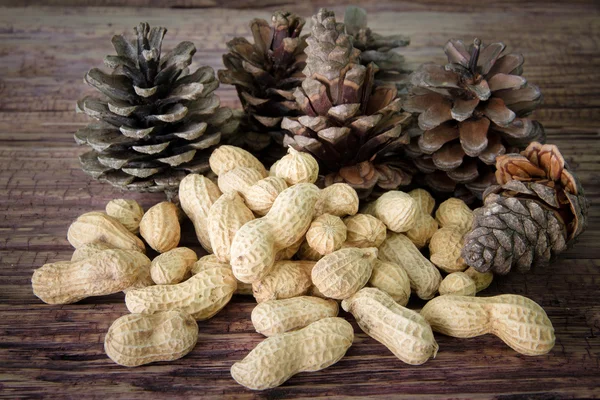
(261, 196)
(287, 279)
(455, 213)
(160, 227)
(458, 283)
(482, 279)
(128, 212)
(226, 158)
(392, 279)
(297, 167)
(339, 199)
(94, 227)
(239, 180)
(396, 209)
(173, 266)
(364, 231)
(326, 234)
(444, 249)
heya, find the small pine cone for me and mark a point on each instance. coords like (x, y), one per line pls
(511, 231)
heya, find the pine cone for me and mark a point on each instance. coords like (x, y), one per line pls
(536, 210)
(155, 122)
(353, 127)
(264, 75)
(472, 110)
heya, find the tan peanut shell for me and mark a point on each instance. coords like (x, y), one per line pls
(94, 227)
(289, 252)
(392, 279)
(106, 272)
(138, 339)
(455, 213)
(458, 283)
(256, 244)
(278, 316)
(482, 279)
(339, 199)
(88, 250)
(160, 227)
(520, 322)
(404, 332)
(364, 231)
(128, 212)
(261, 196)
(425, 227)
(202, 296)
(211, 261)
(172, 266)
(444, 249)
(305, 252)
(226, 158)
(423, 200)
(276, 359)
(239, 180)
(424, 277)
(196, 195)
(286, 279)
(344, 272)
(297, 167)
(396, 209)
(226, 216)
(326, 234)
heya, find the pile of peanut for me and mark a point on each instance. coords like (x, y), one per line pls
(299, 251)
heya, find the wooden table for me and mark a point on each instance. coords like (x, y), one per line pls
(57, 351)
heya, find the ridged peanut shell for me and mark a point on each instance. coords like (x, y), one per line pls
(305, 252)
(444, 249)
(261, 196)
(455, 213)
(128, 212)
(297, 167)
(225, 158)
(344, 272)
(160, 227)
(226, 216)
(364, 231)
(482, 279)
(397, 210)
(520, 322)
(94, 227)
(424, 277)
(287, 279)
(424, 201)
(196, 195)
(458, 283)
(404, 332)
(106, 272)
(138, 339)
(326, 234)
(425, 227)
(392, 279)
(172, 266)
(339, 199)
(211, 261)
(278, 316)
(88, 250)
(202, 296)
(239, 180)
(278, 358)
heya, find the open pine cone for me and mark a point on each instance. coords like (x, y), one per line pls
(353, 127)
(264, 75)
(155, 122)
(535, 211)
(472, 110)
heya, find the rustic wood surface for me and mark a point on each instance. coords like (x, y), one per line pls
(57, 351)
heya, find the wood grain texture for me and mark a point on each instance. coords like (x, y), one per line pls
(57, 351)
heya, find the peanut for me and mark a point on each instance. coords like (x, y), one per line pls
(226, 158)
(344, 272)
(94, 227)
(444, 249)
(458, 283)
(239, 180)
(226, 216)
(326, 234)
(276, 359)
(256, 243)
(211, 261)
(364, 231)
(423, 200)
(425, 278)
(278, 316)
(202, 296)
(455, 213)
(297, 167)
(88, 250)
(128, 212)
(339, 199)
(425, 227)
(287, 279)
(482, 279)
(404, 332)
(261, 196)
(137, 339)
(308, 253)
(173, 266)
(392, 279)
(520, 322)
(196, 195)
(289, 252)
(397, 210)
(106, 272)
(160, 227)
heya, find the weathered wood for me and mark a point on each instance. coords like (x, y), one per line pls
(57, 351)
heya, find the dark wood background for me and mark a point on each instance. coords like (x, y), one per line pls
(56, 351)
